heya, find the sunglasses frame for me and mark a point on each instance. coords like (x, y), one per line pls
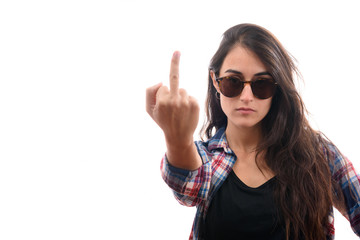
(219, 79)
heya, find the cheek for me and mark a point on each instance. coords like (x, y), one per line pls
(267, 106)
(225, 105)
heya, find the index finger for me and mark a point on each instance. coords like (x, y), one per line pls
(174, 73)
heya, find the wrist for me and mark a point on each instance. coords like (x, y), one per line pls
(178, 143)
(184, 156)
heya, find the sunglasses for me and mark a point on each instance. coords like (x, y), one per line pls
(232, 86)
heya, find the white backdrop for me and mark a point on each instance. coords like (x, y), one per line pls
(79, 157)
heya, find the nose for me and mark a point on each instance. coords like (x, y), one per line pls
(247, 94)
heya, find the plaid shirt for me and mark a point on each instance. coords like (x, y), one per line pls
(198, 187)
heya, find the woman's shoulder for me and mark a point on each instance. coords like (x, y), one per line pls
(337, 161)
(218, 140)
(329, 148)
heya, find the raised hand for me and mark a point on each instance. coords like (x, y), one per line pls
(176, 113)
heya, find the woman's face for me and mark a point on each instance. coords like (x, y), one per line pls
(245, 110)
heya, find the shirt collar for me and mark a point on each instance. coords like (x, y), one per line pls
(219, 141)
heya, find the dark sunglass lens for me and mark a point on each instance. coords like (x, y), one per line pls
(231, 86)
(263, 89)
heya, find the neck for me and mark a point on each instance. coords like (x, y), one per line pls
(243, 139)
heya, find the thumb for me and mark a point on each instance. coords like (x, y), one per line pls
(151, 97)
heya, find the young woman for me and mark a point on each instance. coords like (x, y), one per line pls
(263, 172)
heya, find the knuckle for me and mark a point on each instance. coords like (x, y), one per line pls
(184, 103)
(182, 92)
(173, 77)
(162, 103)
(194, 104)
(175, 102)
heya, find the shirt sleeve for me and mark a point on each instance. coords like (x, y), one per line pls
(344, 174)
(189, 187)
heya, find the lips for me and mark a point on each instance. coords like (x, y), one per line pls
(244, 110)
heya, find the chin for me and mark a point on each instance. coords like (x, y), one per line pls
(247, 125)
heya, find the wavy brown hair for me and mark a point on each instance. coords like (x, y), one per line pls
(294, 151)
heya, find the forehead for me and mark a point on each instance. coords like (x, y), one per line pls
(242, 60)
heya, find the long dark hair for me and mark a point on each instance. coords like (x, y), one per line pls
(293, 150)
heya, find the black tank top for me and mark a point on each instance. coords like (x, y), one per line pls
(241, 212)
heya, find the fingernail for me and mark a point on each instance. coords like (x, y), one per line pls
(176, 54)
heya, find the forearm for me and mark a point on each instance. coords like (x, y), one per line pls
(190, 186)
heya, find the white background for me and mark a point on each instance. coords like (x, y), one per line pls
(79, 157)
